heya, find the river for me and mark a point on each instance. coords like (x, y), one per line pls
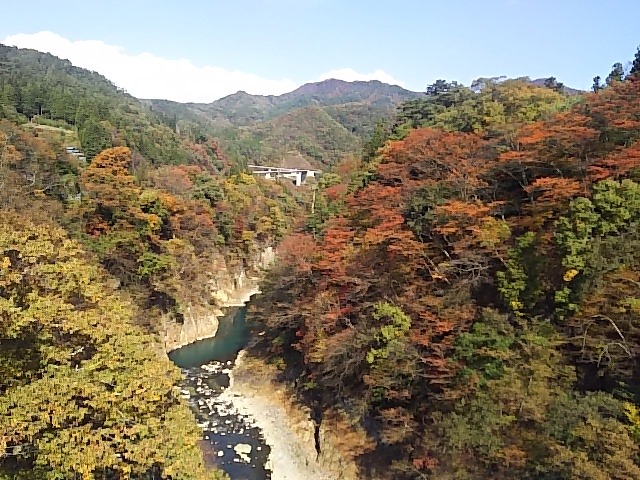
(231, 440)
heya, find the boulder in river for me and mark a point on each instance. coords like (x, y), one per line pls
(243, 450)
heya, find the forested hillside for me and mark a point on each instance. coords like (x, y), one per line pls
(469, 296)
(43, 88)
(466, 294)
(323, 121)
(96, 257)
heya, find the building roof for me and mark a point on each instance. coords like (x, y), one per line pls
(296, 160)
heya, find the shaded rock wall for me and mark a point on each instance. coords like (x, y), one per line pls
(229, 286)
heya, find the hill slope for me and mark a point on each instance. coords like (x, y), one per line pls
(99, 263)
(305, 117)
(310, 130)
(42, 88)
(471, 301)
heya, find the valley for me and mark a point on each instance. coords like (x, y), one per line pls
(351, 280)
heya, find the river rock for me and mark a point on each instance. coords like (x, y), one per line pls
(243, 450)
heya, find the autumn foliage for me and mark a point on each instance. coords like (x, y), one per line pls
(472, 298)
(86, 390)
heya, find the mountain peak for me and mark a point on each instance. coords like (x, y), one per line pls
(337, 87)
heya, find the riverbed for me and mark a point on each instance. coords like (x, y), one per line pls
(231, 440)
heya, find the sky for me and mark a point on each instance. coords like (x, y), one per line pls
(201, 50)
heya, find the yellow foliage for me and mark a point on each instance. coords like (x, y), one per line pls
(516, 305)
(244, 179)
(98, 397)
(493, 232)
(633, 416)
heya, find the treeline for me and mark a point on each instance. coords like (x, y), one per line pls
(94, 260)
(39, 87)
(470, 296)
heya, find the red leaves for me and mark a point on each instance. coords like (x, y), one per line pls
(564, 129)
(298, 250)
(459, 215)
(617, 108)
(559, 146)
(334, 248)
(425, 463)
(428, 155)
(176, 180)
(616, 165)
(335, 192)
(555, 190)
(109, 184)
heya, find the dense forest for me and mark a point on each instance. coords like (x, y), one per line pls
(96, 256)
(465, 292)
(322, 121)
(468, 295)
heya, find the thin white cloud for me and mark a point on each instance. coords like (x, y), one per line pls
(350, 75)
(146, 75)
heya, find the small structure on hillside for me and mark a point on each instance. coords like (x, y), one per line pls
(294, 166)
(71, 150)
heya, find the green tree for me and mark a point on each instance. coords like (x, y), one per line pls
(598, 235)
(597, 84)
(617, 73)
(635, 65)
(376, 140)
(94, 137)
(554, 84)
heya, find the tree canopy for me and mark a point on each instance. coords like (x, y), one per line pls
(469, 294)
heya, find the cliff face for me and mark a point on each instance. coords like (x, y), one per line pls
(300, 446)
(229, 286)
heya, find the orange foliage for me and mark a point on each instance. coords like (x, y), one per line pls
(298, 250)
(618, 164)
(617, 108)
(335, 192)
(112, 187)
(428, 155)
(555, 189)
(334, 257)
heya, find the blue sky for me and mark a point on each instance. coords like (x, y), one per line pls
(201, 50)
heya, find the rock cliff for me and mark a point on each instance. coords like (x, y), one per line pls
(297, 449)
(230, 285)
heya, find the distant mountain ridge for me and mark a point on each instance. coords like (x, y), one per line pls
(323, 121)
(242, 108)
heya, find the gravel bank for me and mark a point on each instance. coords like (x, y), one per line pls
(293, 455)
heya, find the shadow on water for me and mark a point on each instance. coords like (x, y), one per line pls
(230, 440)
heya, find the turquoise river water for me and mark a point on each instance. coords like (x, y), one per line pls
(231, 441)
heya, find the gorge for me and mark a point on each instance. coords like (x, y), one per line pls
(457, 296)
(229, 286)
(252, 429)
(206, 367)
